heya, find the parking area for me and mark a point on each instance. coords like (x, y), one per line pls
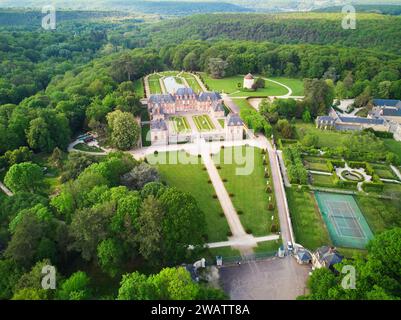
(272, 279)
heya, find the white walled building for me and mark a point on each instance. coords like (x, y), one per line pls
(249, 81)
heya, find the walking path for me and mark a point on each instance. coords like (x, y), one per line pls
(200, 82)
(6, 190)
(236, 243)
(322, 173)
(146, 84)
(283, 169)
(396, 171)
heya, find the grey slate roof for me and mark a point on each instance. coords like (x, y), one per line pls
(185, 92)
(392, 112)
(161, 98)
(387, 103)
(214, 96)
(329, 255)
(325, 118)
(304, 255)
(158, 125)
(233, 119)
(218, 107)
(361, 120)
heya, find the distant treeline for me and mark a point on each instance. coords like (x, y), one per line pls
(13, 18)
(374, 32)
(373, 8)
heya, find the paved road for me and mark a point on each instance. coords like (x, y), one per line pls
(235, 242)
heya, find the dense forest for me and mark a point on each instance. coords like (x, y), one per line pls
(314, 28)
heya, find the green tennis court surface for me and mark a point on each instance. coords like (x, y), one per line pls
(344, 220)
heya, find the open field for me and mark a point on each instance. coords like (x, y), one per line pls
(268, 246)
(248, 192)
(192, 81)
(381, 214)
(222, 122)
(203, 123)
(315, 163)
(322, 181)
(384, 171)
(233, 86)
(154, 84)
(309, 228)
(193, 179)
(296, 85)
(180, 124)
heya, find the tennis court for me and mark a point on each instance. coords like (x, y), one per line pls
(344, 220)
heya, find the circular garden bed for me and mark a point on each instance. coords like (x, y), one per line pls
(352, 176)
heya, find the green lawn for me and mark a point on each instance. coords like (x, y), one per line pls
(192, 81)
(180, 124)
(268, 246)
(327, 138)
(309, 228)
(248, 192)
(393, 146)
(384, 171)
(296, 85)
(154, 84)
(322, 181)
(381, 214)
(315, 163)
(193, 179)
(222, 122)
(392, 189)
(224, 252)
(234, 83)
(203, 123)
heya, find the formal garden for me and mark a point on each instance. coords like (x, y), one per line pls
(252, 195)
(180, 124)
(203, 123)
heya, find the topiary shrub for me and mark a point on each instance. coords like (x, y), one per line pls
(218, 167)
(268, 189)
(229, 233)
(231, 195)
(224, 180)
(248, 230)
(209, 181)
(240, 212)
(273, 228)
(271, 206)
(214, 196)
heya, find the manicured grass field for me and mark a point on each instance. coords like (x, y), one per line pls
(315, 163)
(392, 189)
(222, 122)
(327, 138)
(381, 214)
(384, 171)
(192, 82)
(248, 192)
(322, 181)
(180, 124)
(233, 86)
(309, 228)
(154, 84)
(296, 85)
(193, 179)
(203, 123)
(268, 246)
(224, 252)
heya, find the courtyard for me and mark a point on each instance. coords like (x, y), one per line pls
(272, 279)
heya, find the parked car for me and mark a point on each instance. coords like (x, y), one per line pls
(89, 139)
(290, 247)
